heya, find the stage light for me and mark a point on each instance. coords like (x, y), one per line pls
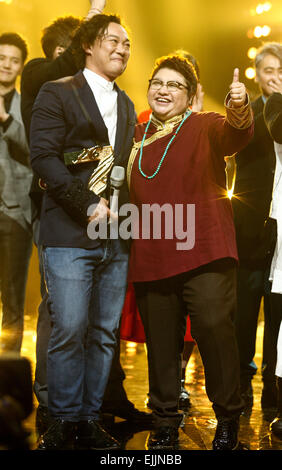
(262, 8)
(250, 73)
(252, 52)
(265, 30)
(259, 9)
(258, 31)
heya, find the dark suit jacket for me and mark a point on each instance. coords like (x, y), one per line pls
(253, 188)
(39, 71)
(58, 126)
(273, 116)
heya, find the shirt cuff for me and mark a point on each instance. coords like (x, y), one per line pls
(240, 117)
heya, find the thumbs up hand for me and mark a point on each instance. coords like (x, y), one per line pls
(237, 91)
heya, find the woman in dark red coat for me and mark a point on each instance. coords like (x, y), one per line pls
(183, 256)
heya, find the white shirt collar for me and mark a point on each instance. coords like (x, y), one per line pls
(93, 77)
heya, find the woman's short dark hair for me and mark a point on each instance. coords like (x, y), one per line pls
(14, 39)
(182, 65)
(59, 33)
(89, 31)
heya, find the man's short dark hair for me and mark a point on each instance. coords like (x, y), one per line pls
(89, 31)
(182, 65)
(14, 39)
(59, 33)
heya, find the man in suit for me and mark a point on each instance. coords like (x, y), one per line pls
(273, 119)
(58, 43)
(15, 207)
(86, 278)
(251, 204)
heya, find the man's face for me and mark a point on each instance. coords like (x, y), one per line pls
(108, 56)
(269, 73)
(11, 63)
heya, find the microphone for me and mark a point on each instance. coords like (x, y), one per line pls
(116, 179)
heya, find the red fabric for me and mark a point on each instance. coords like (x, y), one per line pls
(131, 324)
(144, 116)
(193, 172)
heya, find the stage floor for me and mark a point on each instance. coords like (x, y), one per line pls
(198, 425)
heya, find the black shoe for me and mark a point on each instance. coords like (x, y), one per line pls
(43, 420)
(126, 410)
(226, 435)
(276, 427)
(164, 437)
(60, 436)
(184, 398)
(91, 436)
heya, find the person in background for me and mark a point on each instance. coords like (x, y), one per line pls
(15, 205)
(251, 204)
(273, 118)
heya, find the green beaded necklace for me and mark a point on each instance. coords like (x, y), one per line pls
(186, 115)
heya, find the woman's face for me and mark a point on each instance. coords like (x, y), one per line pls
(164, 103)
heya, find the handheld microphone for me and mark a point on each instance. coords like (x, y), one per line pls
(116, 179)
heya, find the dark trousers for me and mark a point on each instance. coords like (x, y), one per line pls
(208, 294)
(253, 286)
(15, 252)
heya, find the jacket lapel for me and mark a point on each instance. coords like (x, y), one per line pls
(99, 129)
(122, 123)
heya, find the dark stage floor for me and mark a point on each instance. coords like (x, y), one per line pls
(199, 424)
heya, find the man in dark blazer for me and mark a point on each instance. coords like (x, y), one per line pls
(273, 119)
(58, 43)
(86, 278)
(251, 204)
(15, 206)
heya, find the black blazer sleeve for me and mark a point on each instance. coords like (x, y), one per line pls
(273, 116)
(47, 138)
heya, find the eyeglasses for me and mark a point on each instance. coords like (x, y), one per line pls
(171, 86)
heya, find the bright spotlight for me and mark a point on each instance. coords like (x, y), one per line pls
(259, 9)
(258, 31)
(250, 73)
(252, 52)
(267, 6)
(265, 30)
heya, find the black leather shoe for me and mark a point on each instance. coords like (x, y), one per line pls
(184, 398)
(43, 420)
(276, 427)
(91, 436)
(60, 436)
(126, 410)
(226, 435)
(164, 437)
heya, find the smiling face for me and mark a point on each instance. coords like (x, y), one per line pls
(108, 56)
(11, 64)
(269, 69)
(166, 104)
